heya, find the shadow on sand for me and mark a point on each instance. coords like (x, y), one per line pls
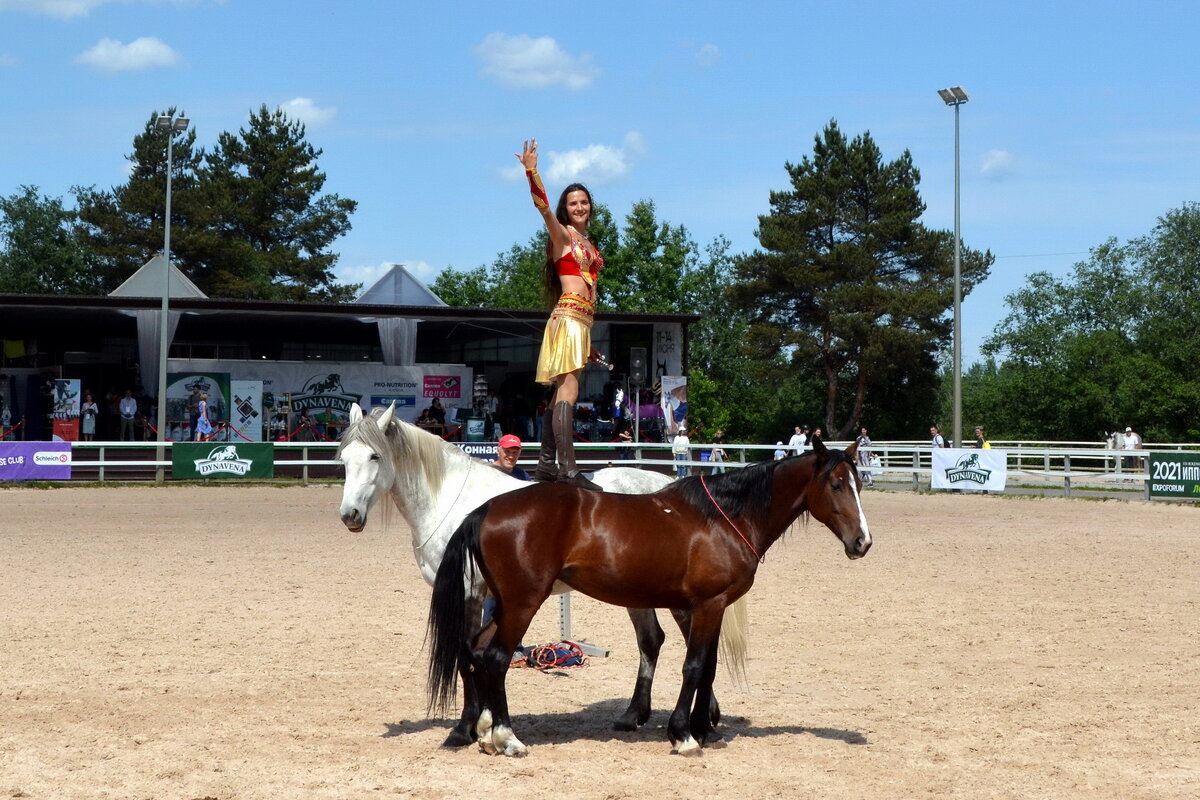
(593, 723)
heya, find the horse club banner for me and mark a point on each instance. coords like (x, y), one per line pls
(328, 390)
(222, 460)
(67, 408)
(246, 410)
(1175, 475)
(962, 468)
(35, 461)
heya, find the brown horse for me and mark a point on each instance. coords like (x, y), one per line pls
(693, 546)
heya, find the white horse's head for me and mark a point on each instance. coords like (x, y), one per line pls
(383, 455)
(366, 453)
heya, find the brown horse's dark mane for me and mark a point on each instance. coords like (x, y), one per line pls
(741, 490)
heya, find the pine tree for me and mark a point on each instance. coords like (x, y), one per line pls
(848, 284)
(124, 225)
(269, 227)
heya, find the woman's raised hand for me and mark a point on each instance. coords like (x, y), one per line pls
(528, 154)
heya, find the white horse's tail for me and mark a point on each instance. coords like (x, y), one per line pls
(733, 647)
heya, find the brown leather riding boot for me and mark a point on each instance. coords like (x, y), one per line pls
(546, 470)
(564, 432)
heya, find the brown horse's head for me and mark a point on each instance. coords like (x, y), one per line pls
(832, 497)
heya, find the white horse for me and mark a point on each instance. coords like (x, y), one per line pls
(434, 485)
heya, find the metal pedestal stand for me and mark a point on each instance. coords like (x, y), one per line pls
(564, 629)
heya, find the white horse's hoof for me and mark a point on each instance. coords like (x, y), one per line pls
(688, 747)
(506, 742)
(483, 729)
(515, 749)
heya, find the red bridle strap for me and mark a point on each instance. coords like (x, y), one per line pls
(761, 559)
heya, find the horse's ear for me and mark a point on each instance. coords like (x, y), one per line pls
(852, 450)
(385, 419)
(356, 414)
(820, 449)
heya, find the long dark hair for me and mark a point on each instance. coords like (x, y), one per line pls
(550, 282)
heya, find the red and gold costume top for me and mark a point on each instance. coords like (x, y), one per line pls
(583, 260)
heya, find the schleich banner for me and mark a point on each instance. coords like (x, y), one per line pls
(35, 461)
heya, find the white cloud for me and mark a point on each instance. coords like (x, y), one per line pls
(63, 9)
(67, 9)
(303, 109)
(144, 53)
(522, 62)
(997, 164)
(708, 55)
(594, 164)
(7, 61)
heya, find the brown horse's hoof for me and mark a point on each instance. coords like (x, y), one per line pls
(458, 738)
(624, 724)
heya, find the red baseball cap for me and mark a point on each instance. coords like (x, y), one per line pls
(508, 440)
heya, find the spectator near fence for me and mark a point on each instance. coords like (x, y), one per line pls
(127, 407)
(935, 437)
(717, 457)
(981, 441)
(864, 456)
(1131, 441)
(679, 446)
(798, 440)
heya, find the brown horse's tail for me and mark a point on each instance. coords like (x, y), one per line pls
(733, 646)
(448, 628)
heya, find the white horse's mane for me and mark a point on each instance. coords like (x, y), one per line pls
(425, 457)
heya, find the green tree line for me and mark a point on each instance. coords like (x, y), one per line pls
(1114, 343)
(840, 318)
(248, 219)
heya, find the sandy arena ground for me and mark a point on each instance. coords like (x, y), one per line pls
(238, 642)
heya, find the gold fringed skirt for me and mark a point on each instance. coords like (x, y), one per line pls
(567, 341)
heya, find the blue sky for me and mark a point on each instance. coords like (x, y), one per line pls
(1083, 123)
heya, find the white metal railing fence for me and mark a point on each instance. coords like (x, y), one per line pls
(906, 462)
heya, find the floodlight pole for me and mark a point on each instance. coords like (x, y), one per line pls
(956, 96)
(171, 125)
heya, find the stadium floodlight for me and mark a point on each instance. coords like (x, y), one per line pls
(171, 125)
(955, 96)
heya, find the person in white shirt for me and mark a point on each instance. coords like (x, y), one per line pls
(798, 440)
(679, 446)
(780, 453)
(935, 437)
(128, 410)
(1131, 441)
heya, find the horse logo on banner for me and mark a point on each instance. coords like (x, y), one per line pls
(968, 468)
(223, 459)
(325, 392)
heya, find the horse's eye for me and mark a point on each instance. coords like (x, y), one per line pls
(374, 456)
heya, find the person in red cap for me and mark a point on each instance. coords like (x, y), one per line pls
(508, 450)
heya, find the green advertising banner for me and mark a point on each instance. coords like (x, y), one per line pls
(222, 460)
(1175, 475)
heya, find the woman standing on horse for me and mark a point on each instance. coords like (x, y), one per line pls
(573, 266)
